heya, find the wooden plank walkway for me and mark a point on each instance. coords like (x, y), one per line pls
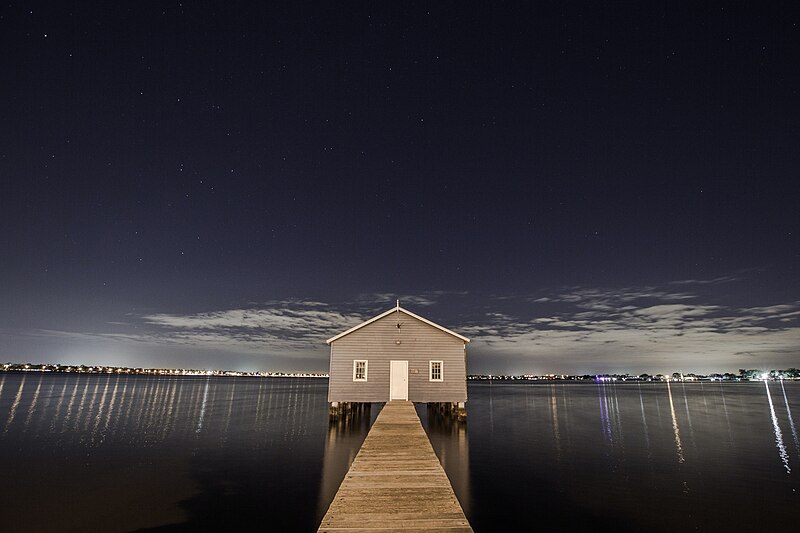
(396, 482)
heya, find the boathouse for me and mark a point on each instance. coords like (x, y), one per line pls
(398, 355)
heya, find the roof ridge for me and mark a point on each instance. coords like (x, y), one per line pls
(392, 310)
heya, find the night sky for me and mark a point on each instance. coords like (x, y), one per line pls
(578, 187)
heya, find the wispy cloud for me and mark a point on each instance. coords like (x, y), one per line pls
(676, 326)
(279, 327)
(713, 281)
(593, 329)
(292, 325)
(420, 299)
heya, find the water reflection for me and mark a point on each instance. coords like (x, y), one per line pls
(186, 447)
(110, 411)
(265, 451)
(32, 407)
(203, 408)
(450, 441)
(725, 410)
(617, 414)
(70, 405)
(776, 428)
(15, 405)
(517, 473)
(644, 421)
(89, 409)
(554, 419)
(791, 420)
(689, 414)
(61, 398)
(98, 418)
(675, 430)
(605, 423)
(344, 438)
(82, 403)
(610, 417)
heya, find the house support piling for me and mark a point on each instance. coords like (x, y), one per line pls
(457, 410)
(342, 410)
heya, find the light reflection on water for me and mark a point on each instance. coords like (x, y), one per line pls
(778, 434)
(644, 422)
(675, 429)
(607, 462)
(450, 441)
(791, 420)
(181, 453)
(234, 454)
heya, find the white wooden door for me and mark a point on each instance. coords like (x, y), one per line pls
(398, 380)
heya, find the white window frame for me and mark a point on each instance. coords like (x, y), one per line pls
(430, 371)
(366, 369)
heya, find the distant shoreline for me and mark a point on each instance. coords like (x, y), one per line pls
(750, 375)
(129, 371)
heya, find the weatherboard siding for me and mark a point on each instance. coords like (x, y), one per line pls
(376, 342)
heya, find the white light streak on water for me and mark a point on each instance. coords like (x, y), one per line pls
(675, 430)
(231, 396)
(617, 413)
(130, 400)
(41, 420)
(123, 396)
(259, 402)
(89, 408)
(791, 420)
(778, 434)
(58, 407)
(70, 405)
(602, 414)
(14, 405)
(170, 409)
(174, 414)
(565, 412)
(605, 414)
(202, 409)
(146, 395)
(110, 410)
(80, 405)
(688, 417)
(32, 408)
(102, 405)
(725, 408)
(554, 416)
(644, 423)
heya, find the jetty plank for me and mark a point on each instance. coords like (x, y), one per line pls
(396, 482)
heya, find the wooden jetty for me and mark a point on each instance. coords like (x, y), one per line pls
(396, 482)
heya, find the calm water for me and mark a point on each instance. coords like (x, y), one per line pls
(126, 453)
(122, 453)
(631, 457)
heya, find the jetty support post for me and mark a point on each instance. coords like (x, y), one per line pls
(461, 411)
(456, 410)
(343, 410)
(334, 410)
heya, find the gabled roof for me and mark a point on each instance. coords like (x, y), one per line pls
(394, 310)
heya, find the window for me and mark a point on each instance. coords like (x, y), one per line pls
(436, 373)
(359, 370)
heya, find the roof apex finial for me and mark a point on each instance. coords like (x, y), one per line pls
(398, 304)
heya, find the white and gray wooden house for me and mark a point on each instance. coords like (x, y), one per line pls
(398, 355)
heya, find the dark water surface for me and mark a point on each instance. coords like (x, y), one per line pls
(627, 457)
(127, 453)
(122, 453)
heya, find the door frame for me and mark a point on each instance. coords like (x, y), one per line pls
(391, 379)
